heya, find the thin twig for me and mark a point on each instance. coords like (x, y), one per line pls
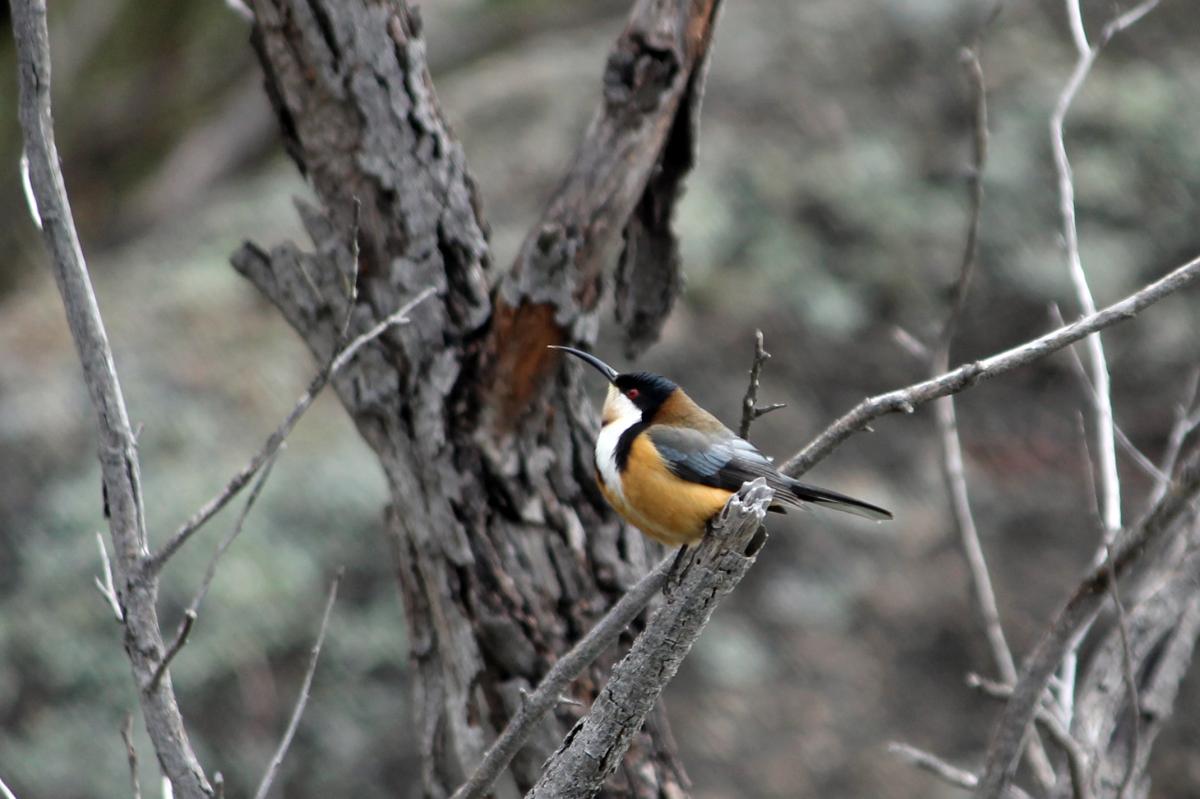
(234, 532)
(118, 446)
(240, 8)
(750, 409)
(6, 792)
(1179, 431)
(549, 691)
(181, 637)
(910, 344)
(27, 186)
(273, 442)
(193, 609)
(264, 787)
(952, 456)
(934, 765)
(907, 399)
(131, 755)
(1126, 443)
(953, 468)
(352, 288)
(1054, 727)
(105, 587)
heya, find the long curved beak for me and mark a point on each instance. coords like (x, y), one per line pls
(610, 374)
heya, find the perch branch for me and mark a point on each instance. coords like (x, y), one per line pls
(264, 787)
(550, 690)
(967, 375)
(596, 745)
(118, 446)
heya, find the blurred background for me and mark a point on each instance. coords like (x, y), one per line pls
(828, 209)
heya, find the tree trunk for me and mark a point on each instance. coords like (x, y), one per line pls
(505, 550)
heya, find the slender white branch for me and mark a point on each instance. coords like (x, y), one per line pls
(105, 587)
(1075, 20)
(1106, 450)
(6, 792)
(264, 787)
(27, 185)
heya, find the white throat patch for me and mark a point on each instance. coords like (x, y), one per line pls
(622, 415)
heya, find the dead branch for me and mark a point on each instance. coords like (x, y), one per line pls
(1078, 612)
(137, 587)
(264, 787)
(907, 399)
(751, 411)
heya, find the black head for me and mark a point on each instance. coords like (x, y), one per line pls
(646, 390)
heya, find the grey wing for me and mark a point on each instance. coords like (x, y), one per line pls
(718, 461)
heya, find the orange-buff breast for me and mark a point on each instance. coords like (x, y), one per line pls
(663, 506)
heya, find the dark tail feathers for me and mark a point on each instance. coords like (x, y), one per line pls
(835, 501)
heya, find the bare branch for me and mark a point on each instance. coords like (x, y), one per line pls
(27, 186)
(131, 755)
(1126, 443)
(1078, 612)
(264, 787)
(907, 399)
(105, 587)
(1110, 492)
(118, 447)
(6, 792)
(933, 764)
(596, 745)
(240, 8)
(185, 629)
(1183, 426)
(750, 409)
(1075, 19)
(1135, 712)
(276, 439)
(910, 344)
(953, 469)
(549, 691)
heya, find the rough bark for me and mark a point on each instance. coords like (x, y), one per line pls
(594, 747)
(505, 551)
(1162, 625)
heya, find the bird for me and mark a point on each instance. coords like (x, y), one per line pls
(668, 466)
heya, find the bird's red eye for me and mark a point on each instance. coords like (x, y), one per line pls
(632, 393)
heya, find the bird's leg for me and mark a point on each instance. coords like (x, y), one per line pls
(678, 569)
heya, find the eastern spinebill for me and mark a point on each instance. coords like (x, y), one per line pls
(668, 466)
